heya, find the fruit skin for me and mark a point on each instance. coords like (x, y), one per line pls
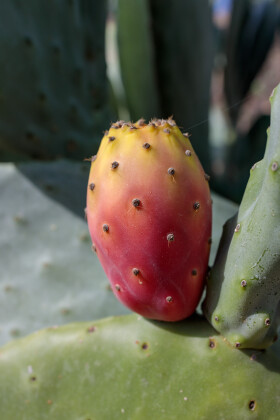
(155, 254)
(131, 368)
(242, 300)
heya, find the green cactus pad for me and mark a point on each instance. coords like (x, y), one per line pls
(137, 57)
(54, 92)
(49, 274)
(243, 301)
(128, 367)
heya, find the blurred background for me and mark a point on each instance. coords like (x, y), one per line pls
(68, 69)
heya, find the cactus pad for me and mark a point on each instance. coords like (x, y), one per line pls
(128, 367)
(243, 300)
(54, 93)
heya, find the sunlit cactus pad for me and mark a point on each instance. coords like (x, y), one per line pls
(128, 367)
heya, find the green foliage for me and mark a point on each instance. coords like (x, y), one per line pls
(243, 290)
(54, 99)
(128, 367)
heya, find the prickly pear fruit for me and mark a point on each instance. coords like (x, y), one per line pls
(243, 291)
(149, 216)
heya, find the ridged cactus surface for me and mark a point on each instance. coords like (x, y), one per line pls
(54, 96)
(149, 215)
(243, 298)
(128, 367)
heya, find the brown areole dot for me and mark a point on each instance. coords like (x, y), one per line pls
(117, 125)
(216, 318)
(252, 405)
(196, 205)
(274, 166)
(188, 153)
(136, 202)
(237, 344)
(91, 186)
(212, 343)
(93, 247)
(105, 227)
(114, 164)
(166, 130)
(267, 322)
(118, 287)
(170, 237)
(112, 138)
(135, 271)
(171, 122)
(171, 171)
(146, 146)
(141, 122)
(120, 123)
(169, 299)
(91, 329)
(243, 283)
(93, 158)
(186, 134)
(207, 177)
(194, 272)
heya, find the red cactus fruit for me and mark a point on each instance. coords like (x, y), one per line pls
(149, 216)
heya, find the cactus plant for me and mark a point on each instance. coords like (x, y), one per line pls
(49, 274)
(54, 93)
(243, 290)
(173, 72)
(128, 367)
(136, 51)
(149, 215)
